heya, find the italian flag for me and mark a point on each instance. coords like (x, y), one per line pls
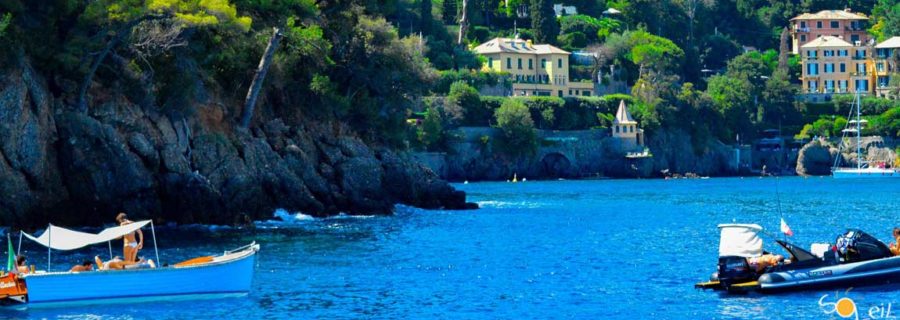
(786, 229)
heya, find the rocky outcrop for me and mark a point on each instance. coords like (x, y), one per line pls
(73, 168)
(816, 158)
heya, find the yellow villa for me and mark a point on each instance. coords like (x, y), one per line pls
(535, 69)
(832, 65)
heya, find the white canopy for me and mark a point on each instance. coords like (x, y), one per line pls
(740, 240)
(64, 239)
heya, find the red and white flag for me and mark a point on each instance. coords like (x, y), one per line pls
(785, 229)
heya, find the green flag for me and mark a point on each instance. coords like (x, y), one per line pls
(11, 262)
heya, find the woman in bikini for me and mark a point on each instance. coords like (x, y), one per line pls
(132, 246)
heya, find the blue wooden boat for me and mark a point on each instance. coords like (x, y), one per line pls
(230, 273)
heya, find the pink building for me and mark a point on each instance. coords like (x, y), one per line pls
(841, 24)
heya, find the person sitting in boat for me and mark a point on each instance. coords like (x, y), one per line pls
(895, 246)
(132, 246)
(764, 261)
(84, 266)
(116, 263)
(21, 266)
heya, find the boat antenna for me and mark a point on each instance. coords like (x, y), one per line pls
(778, 200)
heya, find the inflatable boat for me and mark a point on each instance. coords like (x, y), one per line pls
(855, 259)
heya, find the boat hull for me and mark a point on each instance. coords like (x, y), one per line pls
(866, 273)
(865, 173)
(232, 276)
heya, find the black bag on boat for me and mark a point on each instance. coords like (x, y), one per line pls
(855, 246)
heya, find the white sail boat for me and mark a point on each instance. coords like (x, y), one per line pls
(862, 169)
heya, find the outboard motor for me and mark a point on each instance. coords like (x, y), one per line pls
(733, 269)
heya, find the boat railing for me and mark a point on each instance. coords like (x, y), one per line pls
(241, 248)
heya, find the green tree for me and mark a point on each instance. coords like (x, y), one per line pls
(543, 21)
(119, 18)
(731, 98)
(449, 10)
(778, 98)
(4, 23)
(431, 133)
(426, 20)
(517, 128)
(461, 99)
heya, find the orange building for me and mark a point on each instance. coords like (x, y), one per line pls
(842, 24)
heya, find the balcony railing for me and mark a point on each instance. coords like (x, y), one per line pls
(859, 57)
(801, 29)
(858, 73)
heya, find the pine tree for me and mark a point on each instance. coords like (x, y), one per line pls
(449, 13)
(426, 19)
(543, 21)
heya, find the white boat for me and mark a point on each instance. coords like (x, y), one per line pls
(862, 169)
(228, 274)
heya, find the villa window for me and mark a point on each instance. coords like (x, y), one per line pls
(490, 62)
(835, 25)
(802, 24)
(520, 64)
(819, 24)
(802, 38)
(843, 68)
(559, 93)
(617, 129)
(543, 63)
(631, 129)
(559, 63)
(854, 38)
(530, 64)
(509, 63)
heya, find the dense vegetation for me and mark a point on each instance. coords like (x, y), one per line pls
(370, 63)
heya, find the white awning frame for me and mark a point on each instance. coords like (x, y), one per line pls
(63, 239)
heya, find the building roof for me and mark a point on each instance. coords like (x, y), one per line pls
(498, 45)
(622, 115)
(831, 15)
(893, 42)
(827, 42)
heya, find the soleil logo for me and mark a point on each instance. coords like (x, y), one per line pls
(845, 308)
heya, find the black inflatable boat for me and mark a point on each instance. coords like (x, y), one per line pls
(855, 259)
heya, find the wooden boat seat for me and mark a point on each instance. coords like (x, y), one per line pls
(195, 261)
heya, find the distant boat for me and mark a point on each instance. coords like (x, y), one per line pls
(862, 169)
(228, 274)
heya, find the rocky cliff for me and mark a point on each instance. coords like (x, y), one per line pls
(73, 168)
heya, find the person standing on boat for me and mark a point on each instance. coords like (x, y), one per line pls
(132, 246)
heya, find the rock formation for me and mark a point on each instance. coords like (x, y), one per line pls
(73, 168)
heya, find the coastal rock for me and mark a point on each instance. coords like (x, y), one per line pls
(30, 181)
(73, 168)
(816, 158)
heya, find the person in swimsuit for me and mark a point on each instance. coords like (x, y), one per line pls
(132, 246)
(84, 266)
(764, 261)
(21, 266)
(895, 247)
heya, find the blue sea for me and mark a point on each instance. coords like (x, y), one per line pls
(536, 250)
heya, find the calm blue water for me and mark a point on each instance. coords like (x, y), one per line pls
(561, 249)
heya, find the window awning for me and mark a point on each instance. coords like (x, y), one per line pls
(64, 239)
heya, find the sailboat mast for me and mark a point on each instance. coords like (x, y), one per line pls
(858, 134)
